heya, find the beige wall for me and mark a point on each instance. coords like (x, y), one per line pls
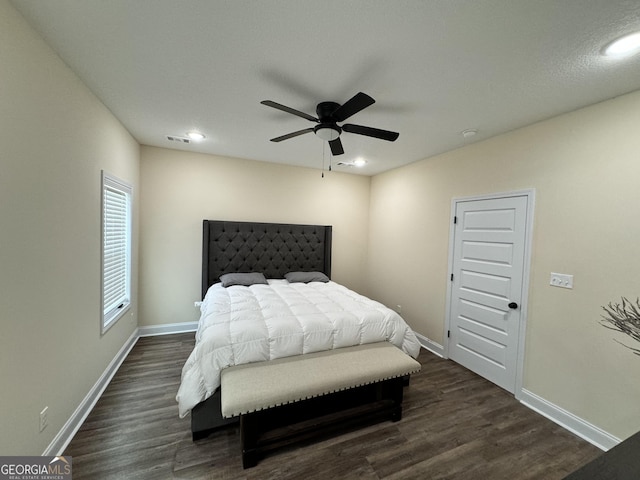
(584, 167)
(390, 238)
(55, 137)
(180, 189)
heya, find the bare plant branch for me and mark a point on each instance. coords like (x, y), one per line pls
(623, 317)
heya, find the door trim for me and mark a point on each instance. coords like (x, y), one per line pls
(526, 273)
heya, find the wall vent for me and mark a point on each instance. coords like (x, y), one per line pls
(174, 138)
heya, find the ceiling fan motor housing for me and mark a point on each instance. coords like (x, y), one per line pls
(327, 129)
(325, 110)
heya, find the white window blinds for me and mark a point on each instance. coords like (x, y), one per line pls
(116, 248)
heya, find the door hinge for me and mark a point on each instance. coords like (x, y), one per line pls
(455, 219)
(448, 333)
(452, 277)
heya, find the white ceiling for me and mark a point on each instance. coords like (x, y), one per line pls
(435, 68)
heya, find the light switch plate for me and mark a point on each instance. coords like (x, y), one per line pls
(561, 280)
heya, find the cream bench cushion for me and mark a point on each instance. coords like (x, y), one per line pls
(257, 386)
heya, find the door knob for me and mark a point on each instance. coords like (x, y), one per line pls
(513, 305)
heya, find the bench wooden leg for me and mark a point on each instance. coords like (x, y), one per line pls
(248, 441)
(397, 395)
(396, 415)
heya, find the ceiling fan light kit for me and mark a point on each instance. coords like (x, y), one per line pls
(327, 132)
(329, 114)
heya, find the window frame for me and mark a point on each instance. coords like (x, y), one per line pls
(116, 309)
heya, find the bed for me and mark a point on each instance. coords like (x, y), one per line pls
(281, 321)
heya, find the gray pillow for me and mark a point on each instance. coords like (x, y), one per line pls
(306, 277)
(245, 279)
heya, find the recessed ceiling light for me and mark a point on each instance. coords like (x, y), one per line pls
(469, 132)
(623, 46)
(195, 136)
(358, 162)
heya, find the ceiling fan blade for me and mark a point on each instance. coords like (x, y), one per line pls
(291, 135)
(284, 108)
(358, 102)
(371, 132)
(336, 147)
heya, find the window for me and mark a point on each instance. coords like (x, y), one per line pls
(116, 249)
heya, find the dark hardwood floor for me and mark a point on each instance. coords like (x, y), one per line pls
(456, 425)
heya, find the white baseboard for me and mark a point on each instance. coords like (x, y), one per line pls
(65, 435)
(167, 329)
(565, 419)
(569, 421)
(430, 345)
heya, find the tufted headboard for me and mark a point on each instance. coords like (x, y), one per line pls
(271, 248)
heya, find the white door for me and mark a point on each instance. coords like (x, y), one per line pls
(487, 283)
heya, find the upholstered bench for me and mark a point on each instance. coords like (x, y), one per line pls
(301, 389)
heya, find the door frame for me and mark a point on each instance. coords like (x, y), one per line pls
(526, 273)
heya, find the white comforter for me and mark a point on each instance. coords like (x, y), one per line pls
(263, 322)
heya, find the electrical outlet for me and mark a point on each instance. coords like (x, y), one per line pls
(197, 304)
(44, 418)
(561, 280)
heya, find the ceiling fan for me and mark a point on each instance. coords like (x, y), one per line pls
(329, 114)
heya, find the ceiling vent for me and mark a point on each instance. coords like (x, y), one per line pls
(174, 138)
